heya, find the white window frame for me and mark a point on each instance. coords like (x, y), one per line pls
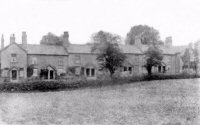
(34, 61)
(60, 62)
(35, 72)
(21, 73)
(13, 58)
(90, 72)
(77, 59)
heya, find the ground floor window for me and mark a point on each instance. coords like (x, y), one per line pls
(35, 72)
(5, 73)
(87, 72)
(90, 72)
(161, 69)
(125, 69)
(60, 71)
(21, 73)
(129, 69)
(77, 70)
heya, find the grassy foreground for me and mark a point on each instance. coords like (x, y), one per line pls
(168, 102)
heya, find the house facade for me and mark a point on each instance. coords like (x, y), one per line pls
(48, 61)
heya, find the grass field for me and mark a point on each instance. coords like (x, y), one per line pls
(168, 102)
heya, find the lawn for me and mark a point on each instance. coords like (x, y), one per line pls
(168, 102)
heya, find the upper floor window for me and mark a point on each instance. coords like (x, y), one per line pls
(77, 59)
(34, 60)
(60, 62)
(13, 57)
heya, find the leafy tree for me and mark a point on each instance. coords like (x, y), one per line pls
(154, 58)
(148, 35)
(109, 56)
(186, 57)
(51, 39)
(197, 55)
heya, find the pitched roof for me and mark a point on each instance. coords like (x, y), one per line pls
(46, 49)
(130, 49)
(85, 48)
(167, 50)
(79, 48)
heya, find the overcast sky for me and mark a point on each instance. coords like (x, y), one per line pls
(177, 18)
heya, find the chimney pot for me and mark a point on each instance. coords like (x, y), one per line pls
(66, 39)
(24, 40)
(12, 38)
(168, 41)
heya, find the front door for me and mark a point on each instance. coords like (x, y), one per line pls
(14, 75)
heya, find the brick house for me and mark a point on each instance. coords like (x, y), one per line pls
(55, 60)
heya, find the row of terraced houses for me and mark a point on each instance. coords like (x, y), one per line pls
(16, 57)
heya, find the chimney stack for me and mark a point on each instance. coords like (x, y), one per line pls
(66, 39)
(2, 42)
(168, 42)
(12, 38)
(24, 40)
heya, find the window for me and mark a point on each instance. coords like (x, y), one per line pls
(21, 73)
(92, 72)
(125, 69)
(159, 68)
(13, 57)
(87, 72)
(34, 60)
(77, 70)
(77, 59)
(35, 72)
(5, 73)
(130, 70)
(60, 71)
(60, 62)
(164, 69)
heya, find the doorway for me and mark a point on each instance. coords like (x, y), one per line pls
(14, 75)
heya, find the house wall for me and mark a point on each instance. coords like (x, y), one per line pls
(52, 60)
(134, 60)
(21, 60)
(84, 59)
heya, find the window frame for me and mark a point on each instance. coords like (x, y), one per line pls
(13, 57)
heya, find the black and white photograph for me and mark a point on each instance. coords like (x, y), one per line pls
(99, 62)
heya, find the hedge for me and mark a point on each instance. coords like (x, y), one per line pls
(56, 85)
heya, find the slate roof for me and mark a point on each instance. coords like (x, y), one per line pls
(79, 48)
(167, 50)
(84, 48)
(130, 49)
(46, 49)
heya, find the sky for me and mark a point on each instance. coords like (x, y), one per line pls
(81, 18)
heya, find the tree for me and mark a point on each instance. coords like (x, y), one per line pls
(154, 58)
(186, 57)
(197, 56)
(109, 55)
(51, 39)
(190, 58)
(148, 35)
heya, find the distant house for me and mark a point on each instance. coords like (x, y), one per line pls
(48, 61)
